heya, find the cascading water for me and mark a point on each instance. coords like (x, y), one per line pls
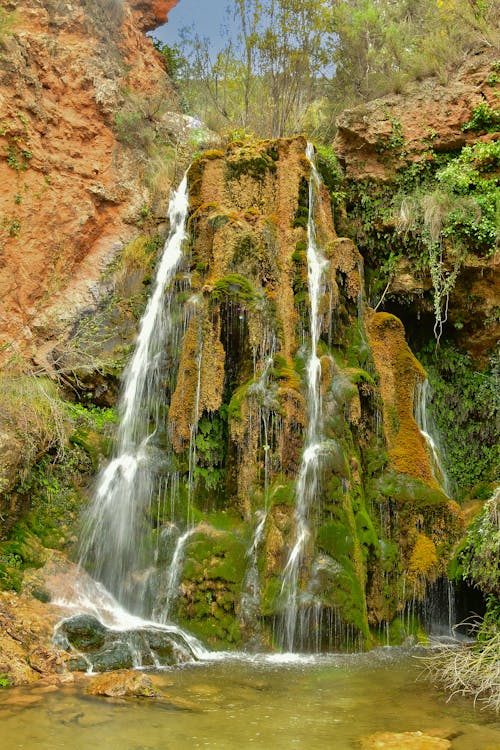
(308, 479)
(438, 608)
(424, 422)
(115, 550)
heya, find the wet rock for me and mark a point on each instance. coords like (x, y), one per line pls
(93, 645)
(116, 656)
(84, 632)
(404, 741)
(163, 646)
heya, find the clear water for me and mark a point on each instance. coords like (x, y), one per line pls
(312, 703)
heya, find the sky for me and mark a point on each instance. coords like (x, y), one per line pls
(207, 15)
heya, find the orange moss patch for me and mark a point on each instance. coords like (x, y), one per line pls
(200, 338)
(399, 373)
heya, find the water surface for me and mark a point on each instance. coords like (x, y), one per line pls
(318, 702)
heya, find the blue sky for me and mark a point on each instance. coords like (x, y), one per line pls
(207, 15)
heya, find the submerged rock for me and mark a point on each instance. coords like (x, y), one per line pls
(123, 684)
(404, 741)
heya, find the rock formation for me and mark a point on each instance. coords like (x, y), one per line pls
(78, 83)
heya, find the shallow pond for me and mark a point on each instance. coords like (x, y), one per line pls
(260, 702)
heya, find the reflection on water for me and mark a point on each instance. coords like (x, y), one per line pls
(327, 702)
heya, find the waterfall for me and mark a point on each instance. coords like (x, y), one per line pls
(170, 590)
(115, 550)
(308, 479)
(426, 427)
(250, 597)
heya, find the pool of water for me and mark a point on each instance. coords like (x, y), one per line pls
(260, 702)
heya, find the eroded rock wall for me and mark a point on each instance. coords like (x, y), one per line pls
(74, 80)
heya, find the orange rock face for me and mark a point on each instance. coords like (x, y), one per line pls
(149, 14)
(430, 115)
(70, 191)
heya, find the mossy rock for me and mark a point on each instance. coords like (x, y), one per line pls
(84, 632)
(251, 160)
(271, 602)
(214, 555)
(405, 489)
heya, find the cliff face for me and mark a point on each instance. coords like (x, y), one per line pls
(76, 79)
(400, 146)
(240, 409)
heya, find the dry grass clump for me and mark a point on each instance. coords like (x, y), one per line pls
(32, 411)
(469, 669)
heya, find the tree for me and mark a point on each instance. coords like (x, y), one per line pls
(266, 75)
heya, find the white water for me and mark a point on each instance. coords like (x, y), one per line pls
(307, 482)
(428, 431)
(113, 549)
(171, 590)
(250, 596)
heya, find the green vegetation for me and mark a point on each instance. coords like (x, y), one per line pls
(478, 558)
(211, 447)
(465, 406)
(473, 669)
(443, 210)
(294, 65)
(484, 119)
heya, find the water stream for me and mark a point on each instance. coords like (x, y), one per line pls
(307, 481)
(116, 548)
(429, 432)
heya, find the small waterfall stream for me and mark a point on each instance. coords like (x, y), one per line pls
(424, 422)
(307, 482)
(437, 610)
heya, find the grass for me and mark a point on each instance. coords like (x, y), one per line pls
(471, 670)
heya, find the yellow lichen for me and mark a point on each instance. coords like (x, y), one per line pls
(423, 560)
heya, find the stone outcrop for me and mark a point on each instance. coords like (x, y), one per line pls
(430, 114)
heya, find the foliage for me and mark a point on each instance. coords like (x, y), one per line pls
(267, 76)
(380, 45)
(211, 446)
(331, 173)
(428, 214)
(174, 60)
(484, 118)
(479, 555)
(293, 65)
(465, 408)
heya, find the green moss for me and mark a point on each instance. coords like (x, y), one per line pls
(250, 160)
(212, 578)
(283, 493)
(235, 287)
(237, 399)
(400, 629)
(402, 488)
(465, 408)
(271, 598)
